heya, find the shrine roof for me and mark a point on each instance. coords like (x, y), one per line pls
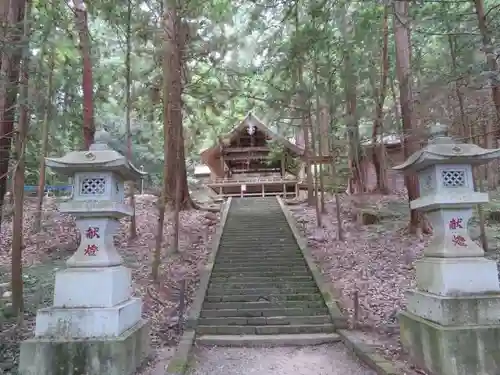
(252, 120)
(443, 149)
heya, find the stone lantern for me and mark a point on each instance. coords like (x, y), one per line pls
(94, 326)
(452, 321)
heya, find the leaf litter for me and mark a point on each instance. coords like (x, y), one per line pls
(373, 261)
(45, 252)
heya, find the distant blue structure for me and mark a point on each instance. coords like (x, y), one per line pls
(54, 188)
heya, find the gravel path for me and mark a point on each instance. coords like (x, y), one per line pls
(318, 360)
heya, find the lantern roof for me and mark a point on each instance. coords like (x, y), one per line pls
(99, 157)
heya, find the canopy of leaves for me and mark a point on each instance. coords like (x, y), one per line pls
(246, 56)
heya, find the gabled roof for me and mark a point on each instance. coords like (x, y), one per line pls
(253, 120)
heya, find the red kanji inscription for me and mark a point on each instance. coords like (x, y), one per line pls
(92, 232)
(458, 240)
(91, 250)
(456, 223)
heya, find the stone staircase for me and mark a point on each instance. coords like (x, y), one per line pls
(261, 290)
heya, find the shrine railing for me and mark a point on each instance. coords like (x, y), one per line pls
(256, 180)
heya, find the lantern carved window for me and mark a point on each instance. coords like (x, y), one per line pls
(93, 186)
(453, 178)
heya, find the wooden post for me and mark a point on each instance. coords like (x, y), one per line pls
(296, 189)
(222, 165)
(283, 164)
(263, 193)
(284, 190)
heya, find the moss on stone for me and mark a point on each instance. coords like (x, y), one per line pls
(118, 356)
(451, 350)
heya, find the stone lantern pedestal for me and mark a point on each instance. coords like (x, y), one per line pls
(452, 322)
(94, 326)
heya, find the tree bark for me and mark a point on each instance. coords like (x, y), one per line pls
(131, 184)
(356, 181)
(173, 62)
(492, 131)
(378, 152)
(315, 168)
(458, 92)
(491, 58)
(10, 64)
(81, 20)
(19, 149)
(403, 69)
(45, 135)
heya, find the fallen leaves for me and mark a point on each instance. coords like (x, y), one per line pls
(374, 262)
(59, 238)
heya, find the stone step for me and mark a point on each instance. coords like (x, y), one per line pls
(260, 245)
(249, 313)
(263, 320)
(275, 225)
(278, 221)
(260, 241)
(260, 291)
(257, 285)
(259, 267)
(255, 279)
(257, 235)
(260, 257)
(224, 297)
(268, 340)
(250, 272)
(263, 304)
(263, 260)
(249, 254)
(265, 330)
(259, 271)
(259, 250)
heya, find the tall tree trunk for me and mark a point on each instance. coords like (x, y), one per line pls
(378, 155)
(491, 58)
(338, 209)
(178, 197)
(81, 20)
(4, 20)
(301, 113)
(45, 136)
(356, 181)
(403, 69)
(321, 142)
(492, 131)
(162, 201)
(315, 167)
(20, 146)
(10, 63)
(173, 108)
(452, 42)
(131, 184)
(307, 150)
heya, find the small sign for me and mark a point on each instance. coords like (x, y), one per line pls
(243, 187)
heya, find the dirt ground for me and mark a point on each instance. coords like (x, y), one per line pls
(375, 262)
(47, 251)
(315, 360)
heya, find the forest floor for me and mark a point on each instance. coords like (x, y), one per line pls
(332, 359)
(46, 252)
(376, 261)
